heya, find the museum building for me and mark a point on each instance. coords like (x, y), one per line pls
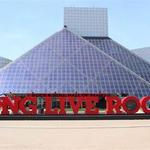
(80, 58)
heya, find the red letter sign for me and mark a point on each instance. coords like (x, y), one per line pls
(129, 100)
(113, 105)
(144, 104)
(48, 106)
(32, 106)
(90, 105)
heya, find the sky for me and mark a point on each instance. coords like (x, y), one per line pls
(25, 23)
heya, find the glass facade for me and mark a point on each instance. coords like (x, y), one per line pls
(66, 63)
(122, 55)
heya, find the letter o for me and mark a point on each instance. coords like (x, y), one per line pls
(127, 100)
(143, 102)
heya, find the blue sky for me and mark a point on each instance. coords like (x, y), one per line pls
(25, 23)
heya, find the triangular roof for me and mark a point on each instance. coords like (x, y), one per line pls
(144, 53)
(122, 55)
(4, 61)
(66, 63)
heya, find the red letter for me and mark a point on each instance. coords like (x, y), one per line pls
(1, 101)
(90, 105)
(75, 104)
(113, 103)
(130, 100)
(62, 105)
(144, 105)
(48, 106)
(32, 107)
(9, 104)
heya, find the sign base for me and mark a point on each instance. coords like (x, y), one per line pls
(75, 117)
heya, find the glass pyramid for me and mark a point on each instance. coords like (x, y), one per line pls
(123, 55)
(67, 63)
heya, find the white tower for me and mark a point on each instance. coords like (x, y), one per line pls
(91, 22)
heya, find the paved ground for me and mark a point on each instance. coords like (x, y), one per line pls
(75, 135)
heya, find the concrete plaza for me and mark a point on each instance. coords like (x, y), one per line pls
(75, 135)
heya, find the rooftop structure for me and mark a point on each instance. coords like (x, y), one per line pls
(86, 21)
